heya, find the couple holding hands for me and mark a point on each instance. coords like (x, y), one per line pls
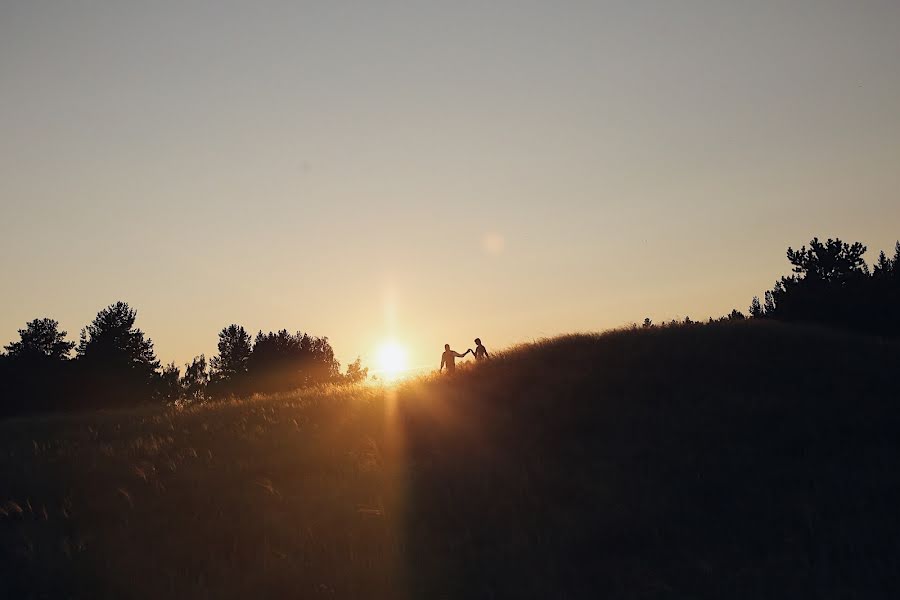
(448, 358)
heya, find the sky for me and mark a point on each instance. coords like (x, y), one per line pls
(430, 172)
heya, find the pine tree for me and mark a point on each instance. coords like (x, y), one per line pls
(229, 368)
(116, 360)
(41, 338)
(769, 307)
(756, 309)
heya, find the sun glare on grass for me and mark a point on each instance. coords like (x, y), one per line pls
(391, 361)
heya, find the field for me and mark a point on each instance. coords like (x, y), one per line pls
(734, 460)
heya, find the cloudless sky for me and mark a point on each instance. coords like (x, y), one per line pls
(433, 171)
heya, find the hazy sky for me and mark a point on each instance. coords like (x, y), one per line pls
(433, 171)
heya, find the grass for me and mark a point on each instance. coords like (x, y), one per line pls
(741, 460)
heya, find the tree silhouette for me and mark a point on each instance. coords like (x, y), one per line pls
(41, 338)
(826, 286)
(112, 337)
(884, 267)
(833, 261)
(169, 388)
(282, 361)
(116, 359)
(34, 373)
(229, 368)
(886, 292)
(756, 309)
(356, 372)
(116, 365)
(831, 284)
(195, 380)
(769, 306)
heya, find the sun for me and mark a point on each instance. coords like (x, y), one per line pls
(391, 360)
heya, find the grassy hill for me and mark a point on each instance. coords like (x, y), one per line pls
(736, 460)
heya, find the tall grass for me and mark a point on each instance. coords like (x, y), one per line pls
(730, 460)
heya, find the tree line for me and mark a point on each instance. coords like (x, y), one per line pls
(830, 284)
(115, 365)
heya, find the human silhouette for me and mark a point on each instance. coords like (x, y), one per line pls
(480, 351)
(448, 358)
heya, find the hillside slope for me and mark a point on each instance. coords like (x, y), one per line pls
(739, 460)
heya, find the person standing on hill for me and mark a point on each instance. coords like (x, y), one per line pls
(448, 358)
(480, 351)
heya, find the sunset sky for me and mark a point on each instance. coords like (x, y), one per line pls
(433, 171)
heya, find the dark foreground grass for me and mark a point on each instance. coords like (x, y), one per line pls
(743, 460)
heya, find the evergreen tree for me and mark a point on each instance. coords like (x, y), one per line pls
(756, 309)
(35, 371)
(831, 284)
(41, 338)
(769, 307)
(884, 267)
(828, 285)
(116, 359)
(229, 368)
(833, 261)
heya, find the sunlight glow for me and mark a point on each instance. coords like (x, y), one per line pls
(392, 361)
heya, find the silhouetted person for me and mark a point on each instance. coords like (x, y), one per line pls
(448, 358)
(480, 351)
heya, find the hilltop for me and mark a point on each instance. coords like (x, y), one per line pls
(745, 460)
